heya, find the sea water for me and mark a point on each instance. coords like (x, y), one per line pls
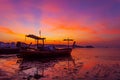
(83, 64)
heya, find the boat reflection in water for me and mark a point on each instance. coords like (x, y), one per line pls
(36, 69)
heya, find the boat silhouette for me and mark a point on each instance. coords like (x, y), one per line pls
(43, 51)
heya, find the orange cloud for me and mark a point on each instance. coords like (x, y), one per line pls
(8, 35)
(9, 31)
(108, 28)
(66, 25)
(6, 30)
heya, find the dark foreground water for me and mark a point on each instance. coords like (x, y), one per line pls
(84, 64)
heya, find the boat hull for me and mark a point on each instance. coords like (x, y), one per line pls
(45, 54)
(9, 50)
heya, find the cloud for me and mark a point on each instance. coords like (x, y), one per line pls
(6, 30)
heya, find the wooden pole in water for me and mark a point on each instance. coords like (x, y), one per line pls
(43, 71)
(68, 41)
(37, 43)
(43, 42)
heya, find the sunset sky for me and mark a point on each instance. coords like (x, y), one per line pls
(95, 22)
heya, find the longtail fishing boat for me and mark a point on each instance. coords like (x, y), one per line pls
(44, 51)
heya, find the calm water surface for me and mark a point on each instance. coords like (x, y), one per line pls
(83, 64)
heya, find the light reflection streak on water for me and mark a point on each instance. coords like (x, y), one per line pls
(8, 66)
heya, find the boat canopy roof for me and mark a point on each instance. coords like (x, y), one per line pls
(35, 37)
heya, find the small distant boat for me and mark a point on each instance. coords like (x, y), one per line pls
(43, 51)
